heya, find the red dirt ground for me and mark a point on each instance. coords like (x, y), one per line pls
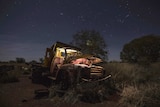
(21, 94)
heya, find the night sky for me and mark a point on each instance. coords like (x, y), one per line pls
(28, 27)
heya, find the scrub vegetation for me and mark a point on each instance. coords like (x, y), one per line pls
(139, 86)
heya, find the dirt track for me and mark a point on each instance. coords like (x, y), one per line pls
(21, 94)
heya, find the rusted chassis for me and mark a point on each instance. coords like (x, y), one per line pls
(69, 75)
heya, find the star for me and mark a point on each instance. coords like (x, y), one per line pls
(33, 19)
(61, 13)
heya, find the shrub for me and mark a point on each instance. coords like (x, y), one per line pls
(8, 77)
(26, 72)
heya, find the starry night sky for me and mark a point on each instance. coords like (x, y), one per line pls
(28, 27)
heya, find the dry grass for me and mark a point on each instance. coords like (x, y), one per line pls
(144, 96)
(139, 85)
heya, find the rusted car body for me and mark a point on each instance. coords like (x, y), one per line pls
(67, 65)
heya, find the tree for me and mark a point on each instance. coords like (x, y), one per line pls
(20, 60)
(41, 60)
(33, 62)
(144, 49)
(90, 42)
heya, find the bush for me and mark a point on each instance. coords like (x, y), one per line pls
(26, 72)
(7, 77)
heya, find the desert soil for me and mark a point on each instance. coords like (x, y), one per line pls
(21, 94)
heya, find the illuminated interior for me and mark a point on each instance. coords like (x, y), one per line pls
(60, 52)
